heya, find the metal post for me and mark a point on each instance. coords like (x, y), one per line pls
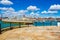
(10, 26)
(0, 28)
(43, 23)
(19, 25)
(1, 24)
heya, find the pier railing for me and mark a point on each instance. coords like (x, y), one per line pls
(24, 22)
(19, 22)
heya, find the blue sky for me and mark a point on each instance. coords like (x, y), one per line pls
(44, 6)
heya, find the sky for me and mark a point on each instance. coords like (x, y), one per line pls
(30, 8)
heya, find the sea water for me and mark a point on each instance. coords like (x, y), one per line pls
(45, 23)
(7, 24)
(36, 23)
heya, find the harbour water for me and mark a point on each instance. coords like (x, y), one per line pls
(7, 24)
(36, 23)
(45, 23)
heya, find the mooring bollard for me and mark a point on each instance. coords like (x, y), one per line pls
(0, 29)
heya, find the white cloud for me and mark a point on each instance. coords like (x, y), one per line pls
(45, 12)
(11, 9)
(32, 8)
(8, 12)
(7, 9)
(54, 7)
(22, 12)
(6, 2)
(3, 8)
(34, 15)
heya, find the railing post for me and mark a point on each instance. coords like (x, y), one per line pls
(43, 24)
(19, 25)
(1, 24)
(10, 26)
(0, 29)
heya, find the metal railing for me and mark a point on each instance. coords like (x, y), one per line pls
(12, 22)
(18, 22)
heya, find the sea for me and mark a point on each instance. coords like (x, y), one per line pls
(36, 23)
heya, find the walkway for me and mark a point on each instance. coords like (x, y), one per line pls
(32, 33)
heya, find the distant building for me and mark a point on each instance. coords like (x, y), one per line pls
(58, 19)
